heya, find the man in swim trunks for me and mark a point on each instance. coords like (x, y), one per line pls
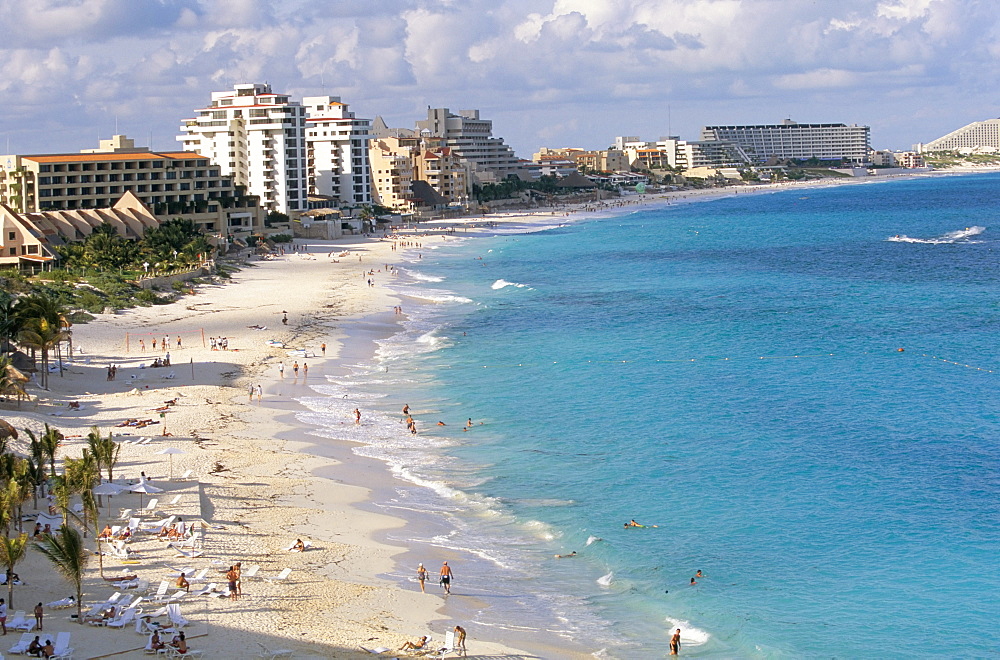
(446, 577)
(675, 643)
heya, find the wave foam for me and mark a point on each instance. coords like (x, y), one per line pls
(690, 636)
(500, 284)
(961, 236)
(605, 580)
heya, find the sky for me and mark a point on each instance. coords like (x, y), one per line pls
(556, 73)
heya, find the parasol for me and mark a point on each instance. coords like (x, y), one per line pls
(7, 430)
(144, 488)
(171, 451)
(108, 488)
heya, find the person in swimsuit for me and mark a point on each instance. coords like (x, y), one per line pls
(421, 577)
(446, 577)
(675, 643)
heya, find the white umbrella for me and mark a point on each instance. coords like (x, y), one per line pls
(171, 451)
(142, 488)
(108, 488)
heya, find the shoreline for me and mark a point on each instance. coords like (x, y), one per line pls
(366, 605)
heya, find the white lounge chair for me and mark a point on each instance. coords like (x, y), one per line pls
(22, 644)
(184, 477)
(62, 649)
(125, 514)
(174, 612)
(161, 590)
(269, 654)
(68, 601)
(250, 572)
(190, 554)
(126, 617)
(280, 577)
(177, 498)
(17, 620)
(200, 577)
(207, 589)
(150, 507)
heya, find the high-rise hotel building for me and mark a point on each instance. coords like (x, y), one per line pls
(790, 139)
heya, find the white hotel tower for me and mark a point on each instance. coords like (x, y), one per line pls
(258, 138)
(337, 151)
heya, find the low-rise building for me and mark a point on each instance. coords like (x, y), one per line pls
(28, 240)
(172, 184)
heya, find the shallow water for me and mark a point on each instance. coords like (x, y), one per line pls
(730, 372)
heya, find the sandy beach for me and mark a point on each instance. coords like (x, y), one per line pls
(252, 483)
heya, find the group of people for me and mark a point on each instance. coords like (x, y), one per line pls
(164, 344)
(217, 343)
(112, 371)
(179, 642)
(446, 576)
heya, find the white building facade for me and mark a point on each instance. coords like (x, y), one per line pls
(983, 135)
(337, 151)
(789, 139)
(471, 138)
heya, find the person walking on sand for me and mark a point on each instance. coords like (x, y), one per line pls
(357, 416)
(295, 368)
(39, 615)
(421, 577)
(322, 347)
(260, 392)
(675, 643)
(3, 615)
(252, 389)
(446, 577)
(281, 369)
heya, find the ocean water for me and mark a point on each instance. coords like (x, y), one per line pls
(799, 390)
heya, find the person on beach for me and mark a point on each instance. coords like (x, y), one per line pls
(260, 392)
(322, 348)
(413, 646)
(281, 369)
(231, 577)
(48, 650)
(39, 615)
(305, 369)
(446, 577)
(298, 546)
(3, 615)
(460, 639)
(155, 642)
(35, 648)
(675, 643)
(252, 389)
(421, 577)
(182, 582)
(295, 368)
(406, 409)
(357, 416)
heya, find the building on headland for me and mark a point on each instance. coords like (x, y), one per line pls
(672, 152)
(471, 138)
(981, 136)
(907, 159)
(28, 239)
(258, 138)
(172, 184)
(789, 139)
(605, 160)
(337, 151)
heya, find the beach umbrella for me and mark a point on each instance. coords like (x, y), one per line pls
(171, 451)
(144, 488)
(108, 488)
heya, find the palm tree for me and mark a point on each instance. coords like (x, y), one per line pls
(12, 550)
(49, 443)
(69, 557)
(91, 514)
(22, 488)
(105, 451)
(79, 476)
(42, 335)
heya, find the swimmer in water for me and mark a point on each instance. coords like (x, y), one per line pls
(633, 523)
(572, 554)
(698, 573)
(442, 424)
(693, 581)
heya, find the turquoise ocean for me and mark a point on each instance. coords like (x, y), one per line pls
(729, 371)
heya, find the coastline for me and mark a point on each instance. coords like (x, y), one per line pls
(279, 490)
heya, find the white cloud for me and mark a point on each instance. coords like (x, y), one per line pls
(572, 71)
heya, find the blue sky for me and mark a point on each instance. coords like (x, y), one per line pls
(547, 72)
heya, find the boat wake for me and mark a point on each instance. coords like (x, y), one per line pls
(961, 236)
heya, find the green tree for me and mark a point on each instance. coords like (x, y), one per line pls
(66, 551)
(48, 445)
(12, 551)
(104, 450)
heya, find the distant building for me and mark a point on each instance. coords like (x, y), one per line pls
(258, 138)
(392, 174)
(28, 240)
(337, 151)
(172, 184)
(977, 135)
(414, 172)
(471, 138)
(831, 142)
(673, 152)
(607, 160)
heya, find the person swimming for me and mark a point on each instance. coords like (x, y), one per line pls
(572, 554)
(633, 523)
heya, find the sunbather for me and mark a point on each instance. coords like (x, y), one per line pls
(35, 648)
(105, 533)
(299, 546)
(182, 582)
(155, 643)
(412, 646)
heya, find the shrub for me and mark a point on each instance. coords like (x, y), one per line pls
(282, 238)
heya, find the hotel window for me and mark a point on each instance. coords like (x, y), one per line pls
(11, 235)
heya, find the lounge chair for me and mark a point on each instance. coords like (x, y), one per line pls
(126, 617)
(177, 498)
(250, 572)
(62, 649)
(17, 620)
(280, 577)
(184, 477)
(150, 507)
(68, 601)
(22, 644)
(190, 554)
(126, 514)
(160, 590)
(27, 625)
(269, 654)
(200, 577)
(207, 589)
(174, 612)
